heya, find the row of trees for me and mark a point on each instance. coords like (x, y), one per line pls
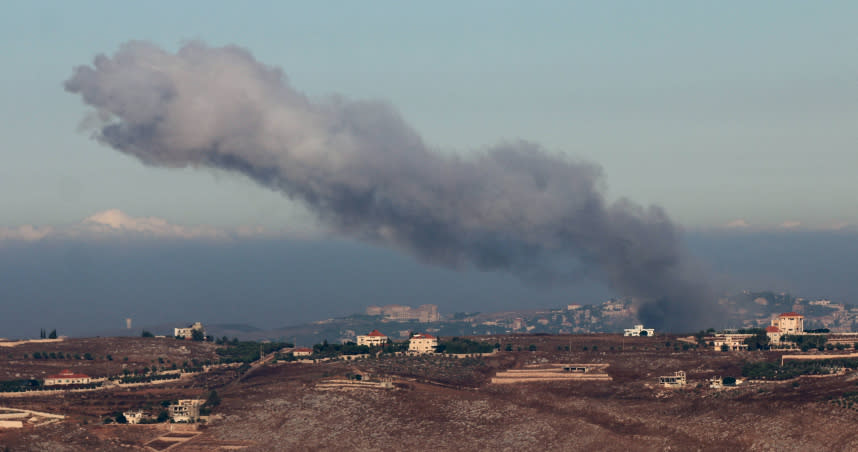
(773, 371)
(461, 346)
(43, 335)
(59, 355)
(248, 351)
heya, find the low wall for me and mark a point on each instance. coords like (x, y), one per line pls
(552, 379)
(553, 373)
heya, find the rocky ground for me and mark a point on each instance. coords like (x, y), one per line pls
(447, 404)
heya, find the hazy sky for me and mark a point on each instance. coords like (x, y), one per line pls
(718, 111)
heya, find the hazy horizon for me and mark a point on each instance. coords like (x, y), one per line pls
(271, 283)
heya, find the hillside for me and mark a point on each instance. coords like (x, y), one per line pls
(448, 403)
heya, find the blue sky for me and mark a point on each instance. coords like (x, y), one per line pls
(716, 111)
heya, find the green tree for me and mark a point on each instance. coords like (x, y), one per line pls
(213, 400)
(198, 335)
(644, 333)
(759, 341)
(53, 334)
(120, 419)
(163, 416)
(42, 334)
(729, 381)
(146, 334)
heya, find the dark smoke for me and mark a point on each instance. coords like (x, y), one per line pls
(368, 175)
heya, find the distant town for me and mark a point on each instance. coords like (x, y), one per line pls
(748, 309)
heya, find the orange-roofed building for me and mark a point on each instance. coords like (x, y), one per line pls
(373, 339)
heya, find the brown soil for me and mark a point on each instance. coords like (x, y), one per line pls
(447, 404)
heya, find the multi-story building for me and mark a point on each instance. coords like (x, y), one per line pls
(730, 342)
(789, 323)
(187, 410)
(426, 313)
(188, 332)
(774, 334)
(373, 339)
(422, 343)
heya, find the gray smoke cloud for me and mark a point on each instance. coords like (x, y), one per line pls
(368, 175)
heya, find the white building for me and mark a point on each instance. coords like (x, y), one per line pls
(422, 343)
(67, 377)
(673, 381)
(639, 330)
(774, 334)
(789, 323)
(425, 313)
(188, 332)
(302, 351)
(133, 417)
(187, 410)
(373, 339)
(733, 342)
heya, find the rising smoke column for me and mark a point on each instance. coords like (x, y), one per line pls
(368, 175)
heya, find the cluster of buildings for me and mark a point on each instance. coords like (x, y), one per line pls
(185, 410)
(418, 343)
(426, 313)
(787, 323)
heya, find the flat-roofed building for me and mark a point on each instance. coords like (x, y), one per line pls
(188, 331)
(187, 410)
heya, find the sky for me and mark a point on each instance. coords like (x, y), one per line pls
(718, 112)
(735, 117)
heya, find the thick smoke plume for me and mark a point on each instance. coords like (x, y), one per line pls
(368, 175)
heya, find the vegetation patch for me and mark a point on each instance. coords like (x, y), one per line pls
(773, 371)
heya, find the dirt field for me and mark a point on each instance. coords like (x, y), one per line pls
(109, 356)
(448, 404)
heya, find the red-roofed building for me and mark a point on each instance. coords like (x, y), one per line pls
(373, 339)
(67, 377)
(789, 323)
(302, 351)
(422, 343)
(774, 334)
